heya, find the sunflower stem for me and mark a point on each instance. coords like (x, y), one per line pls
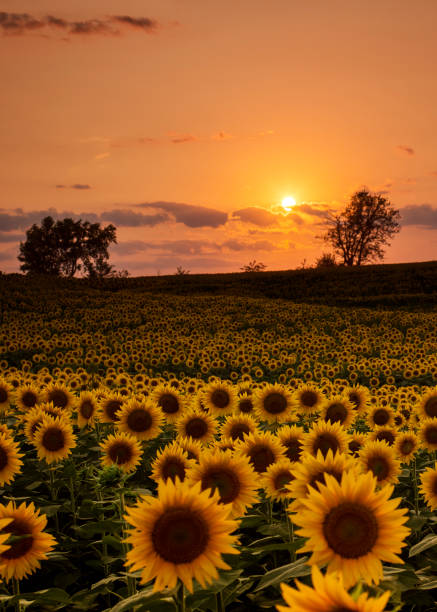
(181, 598)
(131, 585)
(53, 495)
(73, 501)
(220, 602)
(16, 587)
(290, 528)
(416, 495)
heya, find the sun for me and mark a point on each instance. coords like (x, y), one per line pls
(288, 203)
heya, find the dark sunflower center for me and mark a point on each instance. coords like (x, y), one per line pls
(29, 399)
(196, 428)
(431, 407)
(139, 420)
(173, 467)
(3, 458)
(246, 405)
(324, 442)
(407, 447)
(225, 480)
(381, 417)
(351, 530)
(308, 399)
(354, 447)
(120, 452)
(3, 395)
(220, 398)
(53, 439)
(354, 398)
(261, 456)
(398, 420)
(86, 409)
(58, 397)
(238, 431)
(169, 404)
(431, 434)
(320, 477)
(22, 541)
(294, 448)
(281, 481)
(387, 436)
(336, 413)
(275, 403)
(379, 466)
(111, 408)
(180, 535)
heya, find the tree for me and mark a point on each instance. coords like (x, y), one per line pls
(63, 248)
(180, 271)
(326, 260)
(253, 266)
(359, 233)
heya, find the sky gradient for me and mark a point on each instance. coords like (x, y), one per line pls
(185, 123)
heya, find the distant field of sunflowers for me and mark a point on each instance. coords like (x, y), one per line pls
(178, 453)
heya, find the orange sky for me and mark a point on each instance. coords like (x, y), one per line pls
(228, 106)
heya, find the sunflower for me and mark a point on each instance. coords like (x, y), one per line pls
(170, 402)
(276, 478)
(406, 446)
(6, 391)
(291, 437)
(60, 395)
(225, 444)
(380, 416)
(380, 459)
(32, 420)
(428, 486)
(180, 534)
(3, 534)
(311, 472)
(338, 409)
(10, 461)
(307, 400)
(356, 442)
(358, 397)
(427, 407)
(231, 475)
(192, 447)
(109, 407)
(262, 449)
(328, 595)
(237, 426)
(324, 436)
(121, 450)
(428, 434)
(273, 403)
(48, 409)
(352, 527)
(171, 462)
(86, 406)
(5, 430)
(384, 434)
(197, 424)
(245, 403)
(31, 543)
(54, 439)
(219, 398)
(27, 397)
(143, 420)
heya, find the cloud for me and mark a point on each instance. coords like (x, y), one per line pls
(78, 186)
(405, 149)
(255, 215)
(7, 256)
(421, 214)
(23, 23)
(189, 215)
(191, 247)
(311, 209)
(129, 218)
(10, 237)
(183, 139)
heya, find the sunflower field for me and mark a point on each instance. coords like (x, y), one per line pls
(179, 453)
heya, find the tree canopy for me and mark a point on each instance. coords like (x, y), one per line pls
(64, 248)
(359, 233)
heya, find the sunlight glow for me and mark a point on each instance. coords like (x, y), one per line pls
(288, 203)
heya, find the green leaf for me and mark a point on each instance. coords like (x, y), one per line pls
(147, 596)
(432, 584)
(284, 573)
(428, 542)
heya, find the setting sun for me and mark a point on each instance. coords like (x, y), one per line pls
(288, 203)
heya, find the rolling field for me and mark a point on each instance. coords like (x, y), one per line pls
(195, 442)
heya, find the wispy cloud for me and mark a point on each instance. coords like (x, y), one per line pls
(78, 186)
(189, 215)
(19, 24)
(405, 149)
(423, 215)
